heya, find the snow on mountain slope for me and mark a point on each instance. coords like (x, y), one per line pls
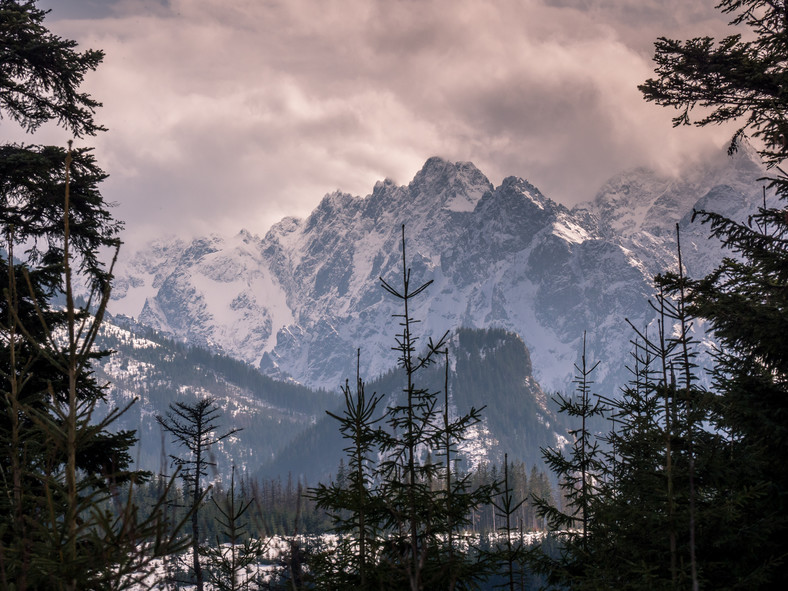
(214, 292)
(158, 372)
(140, 277)
(300, 300)
(639, 209)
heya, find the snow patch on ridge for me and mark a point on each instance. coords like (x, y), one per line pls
(570, 231)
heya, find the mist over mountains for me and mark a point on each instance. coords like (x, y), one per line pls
(299, 301)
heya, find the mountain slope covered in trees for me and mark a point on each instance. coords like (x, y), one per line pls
(285, 428)
(489, 368)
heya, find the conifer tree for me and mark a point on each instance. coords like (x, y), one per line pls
(61, 466)
(661, 416)
(193, 426)
(400, 509)
(230, 565)
(657, 492)
(581, 472)
(634, 524)
(416, 515)
(580, 475)
(745, 300)
(41, 73)
(641, 530)
(350, 500)
(514, 551)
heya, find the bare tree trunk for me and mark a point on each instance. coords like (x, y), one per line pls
(690, 416)
(196, 497)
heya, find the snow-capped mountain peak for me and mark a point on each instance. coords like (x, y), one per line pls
(303, 298)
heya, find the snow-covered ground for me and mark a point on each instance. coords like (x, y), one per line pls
(278, 547)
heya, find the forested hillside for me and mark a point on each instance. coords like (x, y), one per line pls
(159, 372)
(488, 368)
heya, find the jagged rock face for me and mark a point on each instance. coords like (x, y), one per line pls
(213, 293)
(302, 299)
(639, 209)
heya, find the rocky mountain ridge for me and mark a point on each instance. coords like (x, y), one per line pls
(300, 300)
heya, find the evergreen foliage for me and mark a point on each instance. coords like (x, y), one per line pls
(694, 492)
(513, 553)
(350, 499)
(60, 465)
(41, 72)
(580, 474)
(744, 299)
(193, 426)
(740, 77)
(231, 563)
(402, 513)
(660, 507)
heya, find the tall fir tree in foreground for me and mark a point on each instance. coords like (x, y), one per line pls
(659, 495)
(695, 496)
(672, 500)
(580, 474)
(351, 498)
(415, 512)
(61, 466)
(398, 505)
(745, 300)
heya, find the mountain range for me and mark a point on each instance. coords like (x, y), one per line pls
(299, 301)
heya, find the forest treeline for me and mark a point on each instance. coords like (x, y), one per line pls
(280, 507)
(685, 490)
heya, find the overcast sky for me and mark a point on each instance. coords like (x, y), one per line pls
(230, 114)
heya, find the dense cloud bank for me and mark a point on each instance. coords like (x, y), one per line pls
(224, 115)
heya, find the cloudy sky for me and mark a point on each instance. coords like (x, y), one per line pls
(230, 114)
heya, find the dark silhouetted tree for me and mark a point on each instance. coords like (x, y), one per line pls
(745, 300)
(61, 465)
(349, 499)
(400, 508)
(193, 426)
(580, 474)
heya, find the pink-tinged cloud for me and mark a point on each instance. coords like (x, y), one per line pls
(225, 115)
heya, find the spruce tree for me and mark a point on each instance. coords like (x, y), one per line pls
(415, 513)
(401, 510)
(232, 560)
(41, 72)
(350, 499)
(193, 426)
(654, 509)
(61, 465)
(641, 536)
(580, 474)
(745, 300)
(634, 527)
(745, 303)
(513, 552)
